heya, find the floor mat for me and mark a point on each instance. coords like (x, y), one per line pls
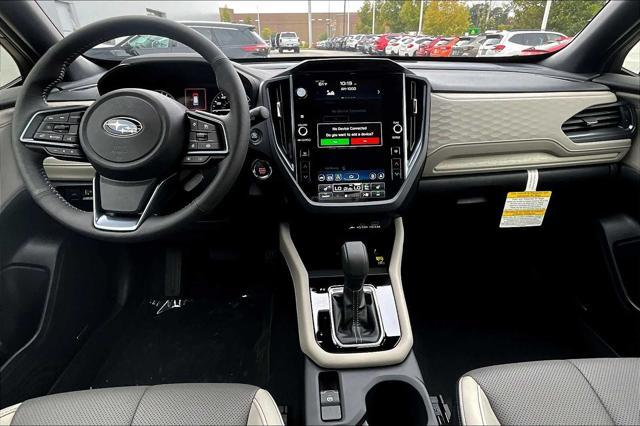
(201, 342)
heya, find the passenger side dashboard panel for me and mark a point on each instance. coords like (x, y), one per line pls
(489, 132)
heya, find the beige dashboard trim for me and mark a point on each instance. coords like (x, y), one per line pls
(68, 171)
(308, 342)
(489, 132)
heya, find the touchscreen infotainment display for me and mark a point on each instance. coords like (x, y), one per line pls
(349, 134)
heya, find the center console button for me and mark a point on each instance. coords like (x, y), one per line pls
(397, 128)
(301, 92)
(303, 130)
(395, 151)
(255, 136)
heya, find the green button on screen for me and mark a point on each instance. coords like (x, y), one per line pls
(334, 142)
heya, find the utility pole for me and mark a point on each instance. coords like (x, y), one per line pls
(309, 23)
(486, 20)
(373, 25)
(421, 15)
(259, 28)
(348, 20)
(545, 17)
(344, 17)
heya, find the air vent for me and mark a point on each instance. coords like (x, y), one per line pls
(280, 106)
(415, 104)
(601, 123)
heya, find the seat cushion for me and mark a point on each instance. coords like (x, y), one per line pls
(177, 404)
(603, 391)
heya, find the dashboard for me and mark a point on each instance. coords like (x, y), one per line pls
(356, 135)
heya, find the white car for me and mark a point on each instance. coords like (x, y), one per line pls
(511, 43)
(393, 48)
(411, 47)
(352, 42)
(288, 41)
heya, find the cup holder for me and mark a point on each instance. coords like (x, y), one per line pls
(395, 402)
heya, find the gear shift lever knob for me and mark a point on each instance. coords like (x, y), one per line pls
(355, 264)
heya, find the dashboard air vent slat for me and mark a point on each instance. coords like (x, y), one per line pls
(601, 123)
(415, 106)
(279, 103)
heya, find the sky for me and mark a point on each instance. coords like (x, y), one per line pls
(246, 6)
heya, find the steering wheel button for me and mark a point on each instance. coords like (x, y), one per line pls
(207, 127)
(57, 117)
(207, 146)
(193, 145)
(70, 138)
(55, 137)
(193, 124)
(201, 136)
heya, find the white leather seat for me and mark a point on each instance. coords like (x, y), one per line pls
(602, 391)
(179, 404)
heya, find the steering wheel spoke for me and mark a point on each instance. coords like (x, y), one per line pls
(207, 140)
(122, 206)
(54, 131)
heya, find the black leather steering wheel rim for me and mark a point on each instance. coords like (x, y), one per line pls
(50, 70)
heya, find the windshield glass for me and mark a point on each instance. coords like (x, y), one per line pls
(262, 29)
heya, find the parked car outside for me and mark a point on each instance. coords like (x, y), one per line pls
(471, 49)
(511, 43)
(235, 40)
(382, 42)
(288, 41)
(411, 48)
(445, 49)
(552, 46)
(427, 46)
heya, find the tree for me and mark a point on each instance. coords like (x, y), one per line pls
(565, 16)
(247, 20)
(226, 14)
(389, 16)
(266, 33)
(446, 17)
(365, 18)
(410, 15)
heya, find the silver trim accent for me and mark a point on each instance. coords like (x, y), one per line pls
(210, 116)
(367, 288)
(274, 137)
(115, 134)
(105, 222)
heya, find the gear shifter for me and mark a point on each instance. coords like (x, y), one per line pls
(355, 265)
(354, 312)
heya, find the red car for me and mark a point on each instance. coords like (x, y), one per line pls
(443, 47)
(552, 46)
(426, 47)
(381, 43)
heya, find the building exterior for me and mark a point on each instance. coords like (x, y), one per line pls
(323, 24)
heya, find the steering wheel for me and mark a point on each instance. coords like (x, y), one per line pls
(137, 140)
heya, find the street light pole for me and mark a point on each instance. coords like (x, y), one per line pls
(309, 23)
(421, 15)
(373, 25)
(545, 17)
(259, 29)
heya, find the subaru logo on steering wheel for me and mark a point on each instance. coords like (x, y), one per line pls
(122, 127)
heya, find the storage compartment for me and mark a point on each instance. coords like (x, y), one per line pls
(395, 402)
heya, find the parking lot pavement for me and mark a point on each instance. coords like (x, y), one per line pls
(314, 52)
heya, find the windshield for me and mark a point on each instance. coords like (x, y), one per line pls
(263, 29)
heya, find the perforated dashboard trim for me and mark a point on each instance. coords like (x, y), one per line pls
(485, 132)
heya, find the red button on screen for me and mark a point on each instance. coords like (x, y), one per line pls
(365, 141)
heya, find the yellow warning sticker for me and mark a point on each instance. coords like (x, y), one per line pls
(524, 209)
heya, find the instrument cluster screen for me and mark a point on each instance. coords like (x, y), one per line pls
(349, 135)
